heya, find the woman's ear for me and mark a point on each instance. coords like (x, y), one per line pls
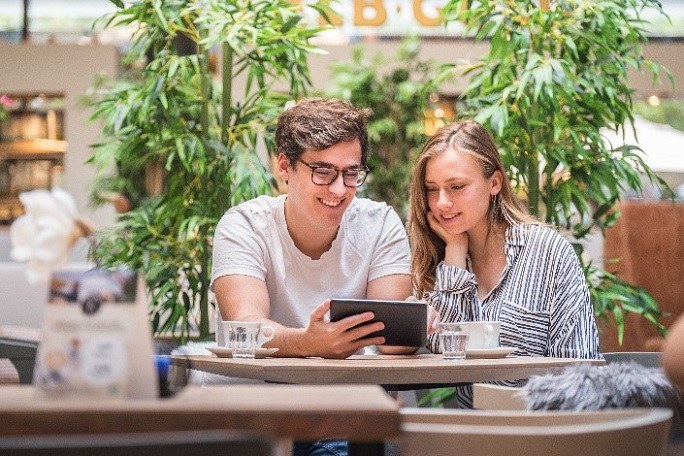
(496, 182)
(283, 167)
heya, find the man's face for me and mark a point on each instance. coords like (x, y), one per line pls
(320, 206)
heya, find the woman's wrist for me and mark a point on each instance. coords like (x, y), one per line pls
(455, 255)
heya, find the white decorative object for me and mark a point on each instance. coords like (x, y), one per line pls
(43, 236)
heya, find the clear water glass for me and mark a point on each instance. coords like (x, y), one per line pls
(244, 343)
(453, 344)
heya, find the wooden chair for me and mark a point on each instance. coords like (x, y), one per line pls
(627, 432)
(177, 443)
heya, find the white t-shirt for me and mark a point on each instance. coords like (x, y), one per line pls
(251, 239)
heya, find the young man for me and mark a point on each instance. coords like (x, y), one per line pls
(279, 260)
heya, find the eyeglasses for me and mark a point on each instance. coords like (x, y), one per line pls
(326, 175)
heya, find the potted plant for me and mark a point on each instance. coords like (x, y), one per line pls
(192, 138)
(551, 80)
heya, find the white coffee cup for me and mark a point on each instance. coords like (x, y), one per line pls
(244, 337)
(482, 334)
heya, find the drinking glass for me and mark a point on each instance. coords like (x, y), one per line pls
(244, 337)
(244, 343)
(452, 340)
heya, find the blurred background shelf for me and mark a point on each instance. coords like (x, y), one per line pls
(32, 148)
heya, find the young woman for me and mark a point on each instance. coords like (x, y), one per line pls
(476, 255)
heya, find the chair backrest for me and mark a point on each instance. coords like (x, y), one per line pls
(22, 354)
(627, 432)
(8, 373)
(646, 359)
(181, 443)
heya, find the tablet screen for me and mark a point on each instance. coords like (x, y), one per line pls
(405, 321)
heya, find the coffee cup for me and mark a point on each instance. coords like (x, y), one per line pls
(244, 337)
(482, 334)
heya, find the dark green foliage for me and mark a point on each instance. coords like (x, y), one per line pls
(548, 85)
(397, 91)
(172, 115)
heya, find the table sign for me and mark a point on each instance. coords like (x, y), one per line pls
(96, 337)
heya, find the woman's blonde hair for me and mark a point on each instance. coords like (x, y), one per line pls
(427, 249)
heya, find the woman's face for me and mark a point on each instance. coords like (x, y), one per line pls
(458, 193)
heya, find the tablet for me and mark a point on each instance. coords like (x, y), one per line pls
(405, 321)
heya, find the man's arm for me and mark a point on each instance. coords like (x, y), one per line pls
(244, 298)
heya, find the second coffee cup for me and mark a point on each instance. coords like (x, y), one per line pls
(482, 334)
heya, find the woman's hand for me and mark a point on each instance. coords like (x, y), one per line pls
(456, 244)
(433, 317)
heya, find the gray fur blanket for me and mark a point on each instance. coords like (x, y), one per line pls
(617, 385)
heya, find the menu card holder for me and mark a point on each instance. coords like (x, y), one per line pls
(97, 340)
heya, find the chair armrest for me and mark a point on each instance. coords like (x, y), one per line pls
(496, 397)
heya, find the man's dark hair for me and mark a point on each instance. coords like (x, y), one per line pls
(318, 123)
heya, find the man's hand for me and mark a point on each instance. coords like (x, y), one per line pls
(342, 338)
(433, 316)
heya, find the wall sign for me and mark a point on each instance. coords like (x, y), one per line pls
(387, 18)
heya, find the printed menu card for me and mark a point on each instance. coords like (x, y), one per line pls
(96, 337)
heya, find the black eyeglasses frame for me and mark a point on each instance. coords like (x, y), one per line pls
(361, 178)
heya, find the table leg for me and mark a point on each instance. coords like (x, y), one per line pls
(366, 449)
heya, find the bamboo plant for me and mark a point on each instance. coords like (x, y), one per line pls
(555, 74)
(552, 79)
(202, 135)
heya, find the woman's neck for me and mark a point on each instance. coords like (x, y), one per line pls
(485, 244)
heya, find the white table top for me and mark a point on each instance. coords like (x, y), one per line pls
(387, 370)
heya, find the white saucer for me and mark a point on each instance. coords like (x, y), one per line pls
(225, 352)
(489, 353)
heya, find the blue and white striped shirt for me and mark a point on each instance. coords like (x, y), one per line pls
(542, 300)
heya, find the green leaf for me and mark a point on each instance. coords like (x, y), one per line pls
(620, 323)
(290, 23)
(485, 29)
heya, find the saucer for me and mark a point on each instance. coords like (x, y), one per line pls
(225, 352)
(489, 353)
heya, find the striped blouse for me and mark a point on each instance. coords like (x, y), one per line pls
(541, 300)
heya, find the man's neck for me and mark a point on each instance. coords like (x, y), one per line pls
(312, 241)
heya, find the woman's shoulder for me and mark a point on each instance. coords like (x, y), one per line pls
(539, 235)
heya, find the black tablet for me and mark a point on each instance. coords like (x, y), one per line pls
(405, 321)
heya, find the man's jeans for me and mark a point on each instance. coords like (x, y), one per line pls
(321, 448)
